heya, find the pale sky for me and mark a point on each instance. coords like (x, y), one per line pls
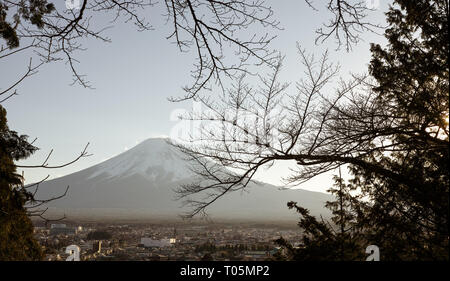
(133, 76)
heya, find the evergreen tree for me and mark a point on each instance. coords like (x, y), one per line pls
(407, 216)
(340, 239)
(32, 11)
(412, 75)
(16, 229)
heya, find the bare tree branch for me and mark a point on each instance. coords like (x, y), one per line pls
(44, 164)
(347, 23)
(318, 127)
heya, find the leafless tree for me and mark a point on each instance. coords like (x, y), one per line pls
(212, 28)
(317, 126)
(59, 34)
(36, 206)
(347, 23)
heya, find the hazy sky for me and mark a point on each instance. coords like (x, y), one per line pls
(133, 76)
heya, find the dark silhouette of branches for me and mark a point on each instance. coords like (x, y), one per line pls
(209, 25)
(317, 127)
(348, 22)
(213, 29)
(45, 164)
(219, 32)
(34, 205)
(31, 70)
(55, 35)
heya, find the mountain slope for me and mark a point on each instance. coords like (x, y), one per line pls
(139, 183)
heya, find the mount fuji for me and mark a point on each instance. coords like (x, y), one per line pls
(139, 184)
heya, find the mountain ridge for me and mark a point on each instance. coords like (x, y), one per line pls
(142, 180)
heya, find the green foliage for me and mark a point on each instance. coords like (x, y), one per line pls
(340, 240)
(411, 218)
(406, 216)
(16, 228)
(30, 11)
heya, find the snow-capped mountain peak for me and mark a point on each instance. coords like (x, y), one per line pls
(151, 158)
(141, 181)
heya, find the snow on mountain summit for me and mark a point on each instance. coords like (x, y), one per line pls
(141, 183)
(151, 158)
